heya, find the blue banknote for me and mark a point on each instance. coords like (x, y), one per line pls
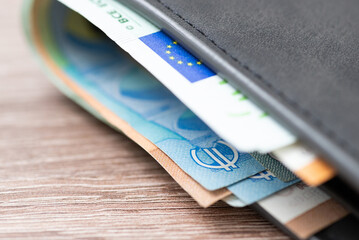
(258, 186)
(108, 74)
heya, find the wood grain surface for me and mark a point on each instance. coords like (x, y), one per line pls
(64, 174)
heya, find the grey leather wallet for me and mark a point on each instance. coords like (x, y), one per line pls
(298, 60)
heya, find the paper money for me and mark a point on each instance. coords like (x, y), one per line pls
(224, 109)
(114, 83)
(255, 188)
(305, 164)
(258, 187)
(274, 166)
(204, 197)
(303, 210)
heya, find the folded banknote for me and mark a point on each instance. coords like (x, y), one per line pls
(258, 187)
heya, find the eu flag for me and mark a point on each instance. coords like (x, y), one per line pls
(175, 55)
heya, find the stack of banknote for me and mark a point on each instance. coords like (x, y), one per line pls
(213, 140)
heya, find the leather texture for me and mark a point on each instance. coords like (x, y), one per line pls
(299, 60)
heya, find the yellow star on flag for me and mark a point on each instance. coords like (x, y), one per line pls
(174, 42)
(199, 63)
(179, 62)
(168, 52)
(169, 46)
(190, 64)
(172, 57)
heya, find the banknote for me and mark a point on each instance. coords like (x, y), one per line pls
(303, 210)
(258, 187)
(109, 81)
(305, 164)
(203, 196)
(274, 166)
(226, 110)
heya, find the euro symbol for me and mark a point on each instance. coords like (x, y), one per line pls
(223, 162)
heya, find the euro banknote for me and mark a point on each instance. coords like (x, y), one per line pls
(258, 187)
(226, 110)
(34, 16)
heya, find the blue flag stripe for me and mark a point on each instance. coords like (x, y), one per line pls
(179, 58)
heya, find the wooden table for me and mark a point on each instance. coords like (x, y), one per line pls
(66, 175)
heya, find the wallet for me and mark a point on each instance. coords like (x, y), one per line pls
(298, 60)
